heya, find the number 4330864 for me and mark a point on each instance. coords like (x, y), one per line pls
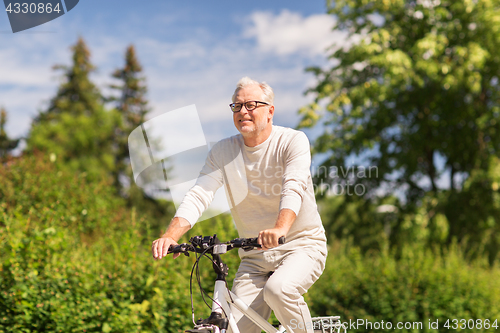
(470, 324)
(32, 8)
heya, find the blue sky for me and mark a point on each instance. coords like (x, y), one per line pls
(192, 53)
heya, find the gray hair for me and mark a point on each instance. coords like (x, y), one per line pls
(267, 91)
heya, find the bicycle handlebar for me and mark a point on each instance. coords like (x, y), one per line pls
(210, 244)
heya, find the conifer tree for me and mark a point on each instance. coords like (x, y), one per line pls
(76, 127)
(132, 102)
(132, 107)
(77, 95)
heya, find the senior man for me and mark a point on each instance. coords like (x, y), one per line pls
(278, 201)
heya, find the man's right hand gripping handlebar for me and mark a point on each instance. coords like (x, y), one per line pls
(160, 247)
(178, 227)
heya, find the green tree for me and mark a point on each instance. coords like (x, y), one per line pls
(6, 144)
(416, 95)
(132, 106)
(76, 128)
(77, 95)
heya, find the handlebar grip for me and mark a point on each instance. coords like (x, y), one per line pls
(281, 240)
(180, 248)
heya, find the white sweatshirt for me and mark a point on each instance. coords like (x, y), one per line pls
(260, 181)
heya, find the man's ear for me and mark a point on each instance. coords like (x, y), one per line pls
(271, 112)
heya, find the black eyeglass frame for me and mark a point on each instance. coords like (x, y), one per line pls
(245, 104)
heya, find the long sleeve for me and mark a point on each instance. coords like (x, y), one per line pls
(296, 174)
(199, 197)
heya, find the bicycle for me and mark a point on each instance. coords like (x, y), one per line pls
(221, 316)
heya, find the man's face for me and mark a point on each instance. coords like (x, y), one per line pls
(252, 123)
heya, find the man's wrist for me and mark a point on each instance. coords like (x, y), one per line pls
(168, 237)
(285, 220)
(281, 230)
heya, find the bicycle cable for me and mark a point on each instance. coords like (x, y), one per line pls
(207, 294)
(196, 270)
(191, 288)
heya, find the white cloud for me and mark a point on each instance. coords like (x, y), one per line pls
(288, 32)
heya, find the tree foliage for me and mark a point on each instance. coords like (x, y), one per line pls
(417, 288)
(416, 94)
(75, 258)
(132, 106)
(76, 95)
(76, 127)
(6, 144)
(132, 101)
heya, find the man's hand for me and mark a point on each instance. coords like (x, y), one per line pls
(160, 247)
(269, 238)
(177, 227)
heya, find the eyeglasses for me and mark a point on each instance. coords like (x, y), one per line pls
(250, 105)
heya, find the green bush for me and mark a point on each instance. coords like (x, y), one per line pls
(417, 287)
(73, 258)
